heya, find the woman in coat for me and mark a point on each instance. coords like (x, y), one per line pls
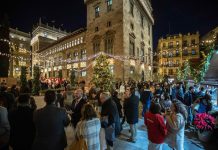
(175, 125)
(155, 126)
(89, 127)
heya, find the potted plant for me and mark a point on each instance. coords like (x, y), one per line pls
(205, 124)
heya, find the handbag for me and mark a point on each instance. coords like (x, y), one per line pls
(79, 144)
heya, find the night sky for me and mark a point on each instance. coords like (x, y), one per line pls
(171, 16)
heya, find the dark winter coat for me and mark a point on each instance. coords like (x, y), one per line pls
(109, 109)
(119, 106)
(76, 116)
(131, 109)
(21, 122)
(50, 134)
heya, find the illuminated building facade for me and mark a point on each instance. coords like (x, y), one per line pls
(174, 50)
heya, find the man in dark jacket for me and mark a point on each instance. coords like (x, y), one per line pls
(131, 109)
(50, 122)
(112, 121)
(76, 107)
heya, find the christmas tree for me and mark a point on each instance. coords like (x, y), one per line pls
(102, 76)
(187, 70)
(36, 82)
(23, 79)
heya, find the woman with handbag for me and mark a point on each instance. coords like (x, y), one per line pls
(176, 125)
(87, 130)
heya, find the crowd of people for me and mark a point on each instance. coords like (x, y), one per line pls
(97, 116)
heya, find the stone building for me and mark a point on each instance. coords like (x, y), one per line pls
(42, 36)
(63, 55)
(117, 27)
(174, 50)
(20, 51)
(122, 28)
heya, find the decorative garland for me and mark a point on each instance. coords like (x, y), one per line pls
(201, 74)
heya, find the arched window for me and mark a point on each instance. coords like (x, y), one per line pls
(109, 41)
(96, 44)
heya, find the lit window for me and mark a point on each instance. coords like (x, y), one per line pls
(83, 64)
(97, 10)
(132, 69)
(109, 44)
(81, 40)
(193, 52)
(45, 34)
(83, 54)
(72, 43)
(76, 55)
(111, 69)
(96, 46)
(83, 73)
(109, 5)
(177, 43)
(132, 47)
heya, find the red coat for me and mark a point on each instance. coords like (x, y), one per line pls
(156, 127)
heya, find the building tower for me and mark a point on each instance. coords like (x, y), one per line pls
(124, 28)
(42, 36)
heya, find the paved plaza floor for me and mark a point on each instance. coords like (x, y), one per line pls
(121, 143)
